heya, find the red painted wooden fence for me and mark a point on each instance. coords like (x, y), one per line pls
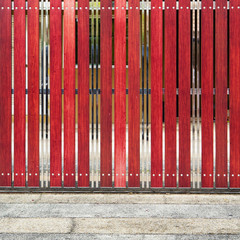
(184, 77)
(179, 138)
(5, 93)
(221, 92)
(106, 92)
(156, 93)
(133, 94)
(120, 93)
(69, 93)
(170, 78)
(83, 94)
(19, 93)
(33, 94)
(234, 77)
(55, 94)
(207, 55)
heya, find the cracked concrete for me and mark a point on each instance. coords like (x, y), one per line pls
(119, 211)
(73, 225)
(116, 236)
(119, 216)
(97, 198)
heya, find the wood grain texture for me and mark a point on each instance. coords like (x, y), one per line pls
(5, 93)
(234, 71)
(33, 93)
(106, 92)
(133, 94)
(19, 92)
(69, 93)
(221, 71)
(170, 93)
(156, 92)
(83, 93)
(120, 93)
(55, 93)
(184, 75)
(207, 92)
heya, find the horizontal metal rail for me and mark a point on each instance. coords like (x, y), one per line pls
(122, 190)
(145, 91)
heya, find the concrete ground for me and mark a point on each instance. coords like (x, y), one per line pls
(119, 216)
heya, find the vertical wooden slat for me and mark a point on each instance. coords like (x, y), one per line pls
(5, 93)
(120, 93)
(19, 92)
(170, 93)
(55, 93)
(83, 93)
(33, 93)
(106, 92)
(133, 93)
(184, 74)
(207, 92)
(69, 93)
(234, 71)
(156, 92)
(221, 63)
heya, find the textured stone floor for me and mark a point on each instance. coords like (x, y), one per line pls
(119, 216)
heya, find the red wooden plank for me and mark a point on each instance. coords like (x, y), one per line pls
(234, 71)
(221, 21)
(156, 92)
(120, 93)
(106, 93)
(83, 93)
(5, 93)
(55, 93)
(19, 92)
(207, 92)
(33, 93)
(133, 94)
(184, 72)
(170, 93)
(69, 93)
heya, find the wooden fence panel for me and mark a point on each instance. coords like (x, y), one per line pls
(55, 93)
(207, 92)
(19, 93)
(184, 73)
(156, 92)
(173, 61)
(69, 93)
(33, 93)
(221, 71)
(5, 93)
(106, 92)
(120, 93)
(133, 94)
(83, 93)
(234, 72)
(170, 92)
